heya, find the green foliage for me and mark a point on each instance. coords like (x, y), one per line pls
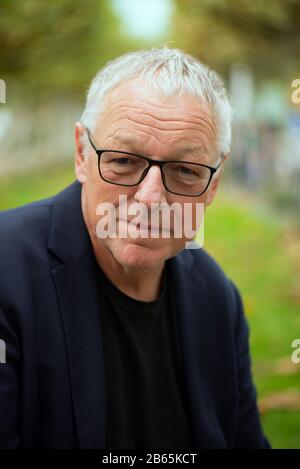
(19, 189)
(262, 34)
(50, 48)
(283, 428)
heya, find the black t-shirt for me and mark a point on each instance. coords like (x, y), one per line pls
(145, 407)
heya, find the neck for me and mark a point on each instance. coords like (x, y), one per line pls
(143, 286)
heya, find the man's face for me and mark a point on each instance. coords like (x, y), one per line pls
(140, 120)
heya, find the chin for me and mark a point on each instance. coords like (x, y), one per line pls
(140, 255)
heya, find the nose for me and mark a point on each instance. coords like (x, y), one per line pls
(151, 189)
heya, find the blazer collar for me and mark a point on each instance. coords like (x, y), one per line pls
(68, 237)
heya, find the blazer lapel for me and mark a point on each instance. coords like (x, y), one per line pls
(77, 292)
(192, 309)
(80, 312)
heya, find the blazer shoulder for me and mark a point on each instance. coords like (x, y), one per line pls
(200, 262)
(24, 246)
(24, 233)
(221, 291)
(18, 223)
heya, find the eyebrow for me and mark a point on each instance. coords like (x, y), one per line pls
(182, 150)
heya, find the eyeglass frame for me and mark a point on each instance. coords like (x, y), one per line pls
(152, 162)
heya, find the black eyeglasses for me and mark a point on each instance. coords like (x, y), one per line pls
(128, 169)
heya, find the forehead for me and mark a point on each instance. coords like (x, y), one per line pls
(137, 95)
(137, 111)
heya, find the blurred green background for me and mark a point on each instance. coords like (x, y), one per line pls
(48, 56)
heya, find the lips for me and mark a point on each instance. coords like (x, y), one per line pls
(150, 228)
(138, 225)
(147, 227)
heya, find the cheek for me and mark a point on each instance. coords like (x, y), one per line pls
(92, 171)
(101, 192)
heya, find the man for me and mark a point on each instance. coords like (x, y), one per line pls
(127, 341)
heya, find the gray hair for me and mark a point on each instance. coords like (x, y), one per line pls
(170, 71)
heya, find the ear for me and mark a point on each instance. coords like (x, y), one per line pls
(212, 191)
(80, 159)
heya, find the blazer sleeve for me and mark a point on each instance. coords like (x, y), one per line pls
(9, 385)
(249, 432)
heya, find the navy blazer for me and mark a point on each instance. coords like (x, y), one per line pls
(52, 388)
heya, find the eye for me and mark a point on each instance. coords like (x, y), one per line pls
(122, 161)
(118, 159)
(188, 171)
(183, 170)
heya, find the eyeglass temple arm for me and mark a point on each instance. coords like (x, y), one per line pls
(89, 137)
(219, 164)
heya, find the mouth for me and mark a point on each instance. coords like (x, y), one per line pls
(147, 227)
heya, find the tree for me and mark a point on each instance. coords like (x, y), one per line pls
(50, 48)
(264, 34)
